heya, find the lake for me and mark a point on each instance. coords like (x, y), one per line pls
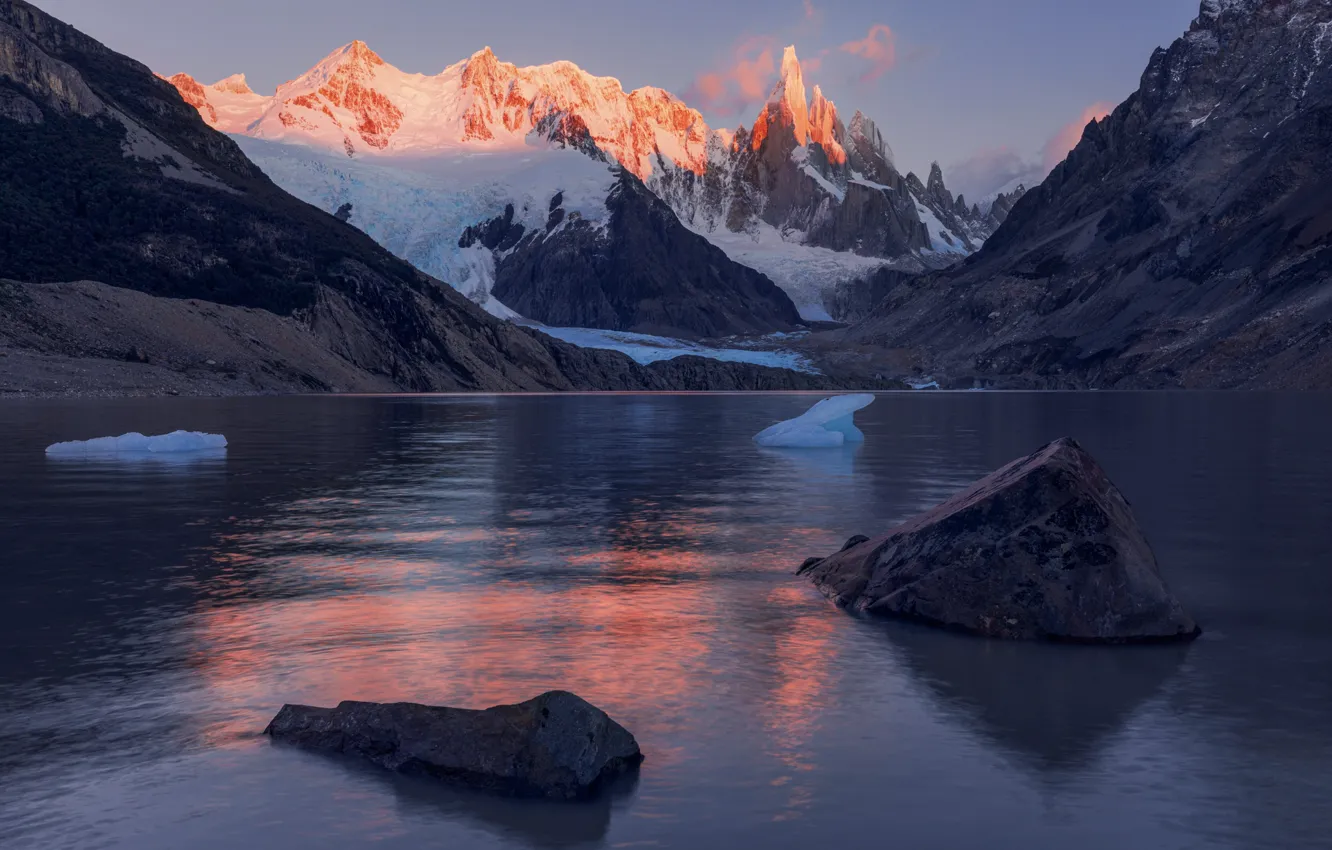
(640, 551)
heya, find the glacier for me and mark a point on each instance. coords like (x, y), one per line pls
(826, 425)
(418, 206)
(176, 442)
(646, 349)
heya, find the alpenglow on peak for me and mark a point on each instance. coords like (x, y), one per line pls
(789, 93)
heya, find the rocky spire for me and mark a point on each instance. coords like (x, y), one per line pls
(935, 185)
(825, 128)
(789, 95)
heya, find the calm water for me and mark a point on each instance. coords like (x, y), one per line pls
(639, 551)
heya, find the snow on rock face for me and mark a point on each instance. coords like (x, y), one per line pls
(828, 424)
(136, 443)
(419, 207)
(355, 103)
(807, 273)
(227, 105)
(791, 177)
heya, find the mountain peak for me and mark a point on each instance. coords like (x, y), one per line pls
(936, 177)
(790, 62)
(236, 84)
(825, 128)
(789, 94)
(360, 51)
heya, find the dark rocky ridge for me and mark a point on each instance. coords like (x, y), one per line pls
(643, 271)
(106, 174)
(1045, 548)
(556, 745)
(90, 339)
(1183, 243)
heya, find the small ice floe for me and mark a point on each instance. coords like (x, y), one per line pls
(177, 442)
(828, 424)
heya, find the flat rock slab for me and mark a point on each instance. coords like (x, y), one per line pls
(556, 745)
(1045, 548)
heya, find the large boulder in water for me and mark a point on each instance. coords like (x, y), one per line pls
(1045, 548)
(556, 745)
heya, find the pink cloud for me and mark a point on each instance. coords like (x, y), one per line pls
(811, 11)
(1068, 136)
(745, 79)
(878, 48)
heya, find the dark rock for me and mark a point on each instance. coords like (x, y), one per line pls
(344, 212)
(1184, 242)
(854, 542)
(16, 107)
(853, 300)
(641, 271)
(1045, 548)
(556, 745)
(499, 234)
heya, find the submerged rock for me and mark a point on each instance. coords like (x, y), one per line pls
(1045, 548)
(556, 745)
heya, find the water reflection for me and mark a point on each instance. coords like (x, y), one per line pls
(530, 823)
(640, 551)
(838, 462)
(1053, 708)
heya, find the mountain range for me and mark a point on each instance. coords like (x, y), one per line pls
(1185, 242)
(364, 228)
(141, 249)
(784, 196)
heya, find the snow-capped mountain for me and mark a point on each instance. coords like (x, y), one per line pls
(803, 172)
(799, 196)
(356, 102)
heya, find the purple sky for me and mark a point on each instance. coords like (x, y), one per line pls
(982, 86)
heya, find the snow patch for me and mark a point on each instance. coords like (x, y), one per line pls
(804, 272)
(942, 240)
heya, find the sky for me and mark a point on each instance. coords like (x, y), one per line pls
(988, 88)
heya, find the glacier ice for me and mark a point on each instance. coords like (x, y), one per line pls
(135, 443)
(828, 424)
(647, 349)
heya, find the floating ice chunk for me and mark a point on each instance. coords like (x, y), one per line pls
(828, 424)
(136, 443)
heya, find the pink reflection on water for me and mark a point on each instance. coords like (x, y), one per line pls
(642, 627)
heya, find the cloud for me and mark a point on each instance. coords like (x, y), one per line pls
(812, 12)
(1068, 136)
(744, 79)
(989, 170)
(878, 48)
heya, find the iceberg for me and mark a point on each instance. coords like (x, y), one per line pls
(826, 425)
(135, 443)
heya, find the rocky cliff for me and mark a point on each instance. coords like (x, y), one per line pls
(640, 270)
(1185, 241)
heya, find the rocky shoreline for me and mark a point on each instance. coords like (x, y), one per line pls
(91, 340)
